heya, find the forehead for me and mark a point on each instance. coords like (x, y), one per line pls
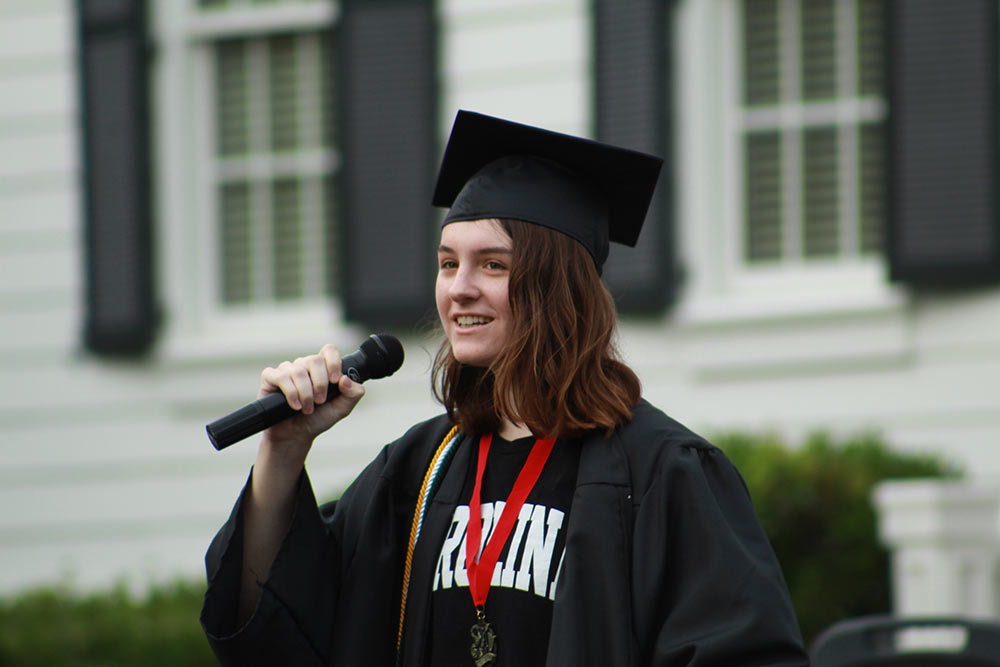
(487, 233)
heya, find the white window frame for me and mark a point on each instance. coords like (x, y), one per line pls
(721, 285)
(197, 325)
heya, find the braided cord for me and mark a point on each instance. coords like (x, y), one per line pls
(426, 489)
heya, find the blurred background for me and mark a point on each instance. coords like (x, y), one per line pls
(193, 190)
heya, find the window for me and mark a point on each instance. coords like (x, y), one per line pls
(810, 128)
(256, 174)
(273, 163)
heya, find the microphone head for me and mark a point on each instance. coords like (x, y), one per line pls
(384, 355)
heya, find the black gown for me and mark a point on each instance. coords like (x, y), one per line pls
(665, 562)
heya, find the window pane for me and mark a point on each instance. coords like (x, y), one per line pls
(236, 243)
(819, 49)
(871, 47)
(274, 98)
(821, 209)
(763, 196)
(284, 77)
(231, 98)
(287, 239)
(761, 73)
(872, 186)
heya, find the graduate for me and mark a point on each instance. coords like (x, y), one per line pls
(550, 516)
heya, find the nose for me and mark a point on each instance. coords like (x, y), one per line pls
(463, 286)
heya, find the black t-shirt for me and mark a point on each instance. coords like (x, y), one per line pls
(519, 605)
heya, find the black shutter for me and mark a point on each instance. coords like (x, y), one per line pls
(943, 227)
(634, 80)
(388, 119)
(120, 316)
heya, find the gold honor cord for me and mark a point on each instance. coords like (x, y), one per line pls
(430, 477)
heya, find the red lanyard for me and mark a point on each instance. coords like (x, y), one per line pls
(481, 569)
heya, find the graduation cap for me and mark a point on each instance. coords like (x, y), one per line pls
(590, 191)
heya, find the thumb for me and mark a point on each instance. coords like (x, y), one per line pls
(350, 389)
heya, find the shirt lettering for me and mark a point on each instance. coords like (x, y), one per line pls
(529, 559)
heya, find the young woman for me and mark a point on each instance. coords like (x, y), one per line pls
(550, 516)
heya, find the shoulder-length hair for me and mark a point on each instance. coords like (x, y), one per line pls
(559, 373)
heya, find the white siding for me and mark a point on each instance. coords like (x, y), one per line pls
(527, 61)
(39, 268)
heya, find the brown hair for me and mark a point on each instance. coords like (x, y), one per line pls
(559, 373)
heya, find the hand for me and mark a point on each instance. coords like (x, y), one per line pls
(305, 384)
(282, 453)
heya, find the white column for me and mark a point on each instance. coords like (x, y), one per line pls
(943, 536)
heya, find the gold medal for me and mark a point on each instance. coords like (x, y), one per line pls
(483, 649)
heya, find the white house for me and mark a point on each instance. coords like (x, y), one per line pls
(193, 190)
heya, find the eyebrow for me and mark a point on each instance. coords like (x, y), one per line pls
(495, 250)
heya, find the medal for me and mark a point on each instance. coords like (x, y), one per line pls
(480, 567)
(483, 649)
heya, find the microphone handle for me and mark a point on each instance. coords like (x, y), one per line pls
(254, 418)
(273, 408)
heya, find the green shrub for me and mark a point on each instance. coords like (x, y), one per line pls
(815, 504)
(57, 627)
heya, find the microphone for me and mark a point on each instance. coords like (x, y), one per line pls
(380, 355)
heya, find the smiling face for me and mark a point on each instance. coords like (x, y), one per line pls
(471, 292)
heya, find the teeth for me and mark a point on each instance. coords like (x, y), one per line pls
(471, 320)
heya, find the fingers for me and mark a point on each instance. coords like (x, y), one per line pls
(298, 372)
(306, 381)
(319, 376)
(331, 357)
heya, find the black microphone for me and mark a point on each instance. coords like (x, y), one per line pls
(380, 355)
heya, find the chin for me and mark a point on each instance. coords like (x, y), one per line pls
(477, 362)
(468, 357)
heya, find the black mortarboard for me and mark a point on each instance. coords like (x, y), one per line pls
(592, 192)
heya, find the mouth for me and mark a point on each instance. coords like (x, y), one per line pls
(471, 321)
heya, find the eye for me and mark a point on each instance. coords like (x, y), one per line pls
(447, 264)
(494, 265)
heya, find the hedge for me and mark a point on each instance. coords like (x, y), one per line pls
(60, 627)
(814, 502)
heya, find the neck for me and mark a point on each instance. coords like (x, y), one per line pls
(511, 431)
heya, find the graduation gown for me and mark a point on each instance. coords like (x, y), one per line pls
(665, 562)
